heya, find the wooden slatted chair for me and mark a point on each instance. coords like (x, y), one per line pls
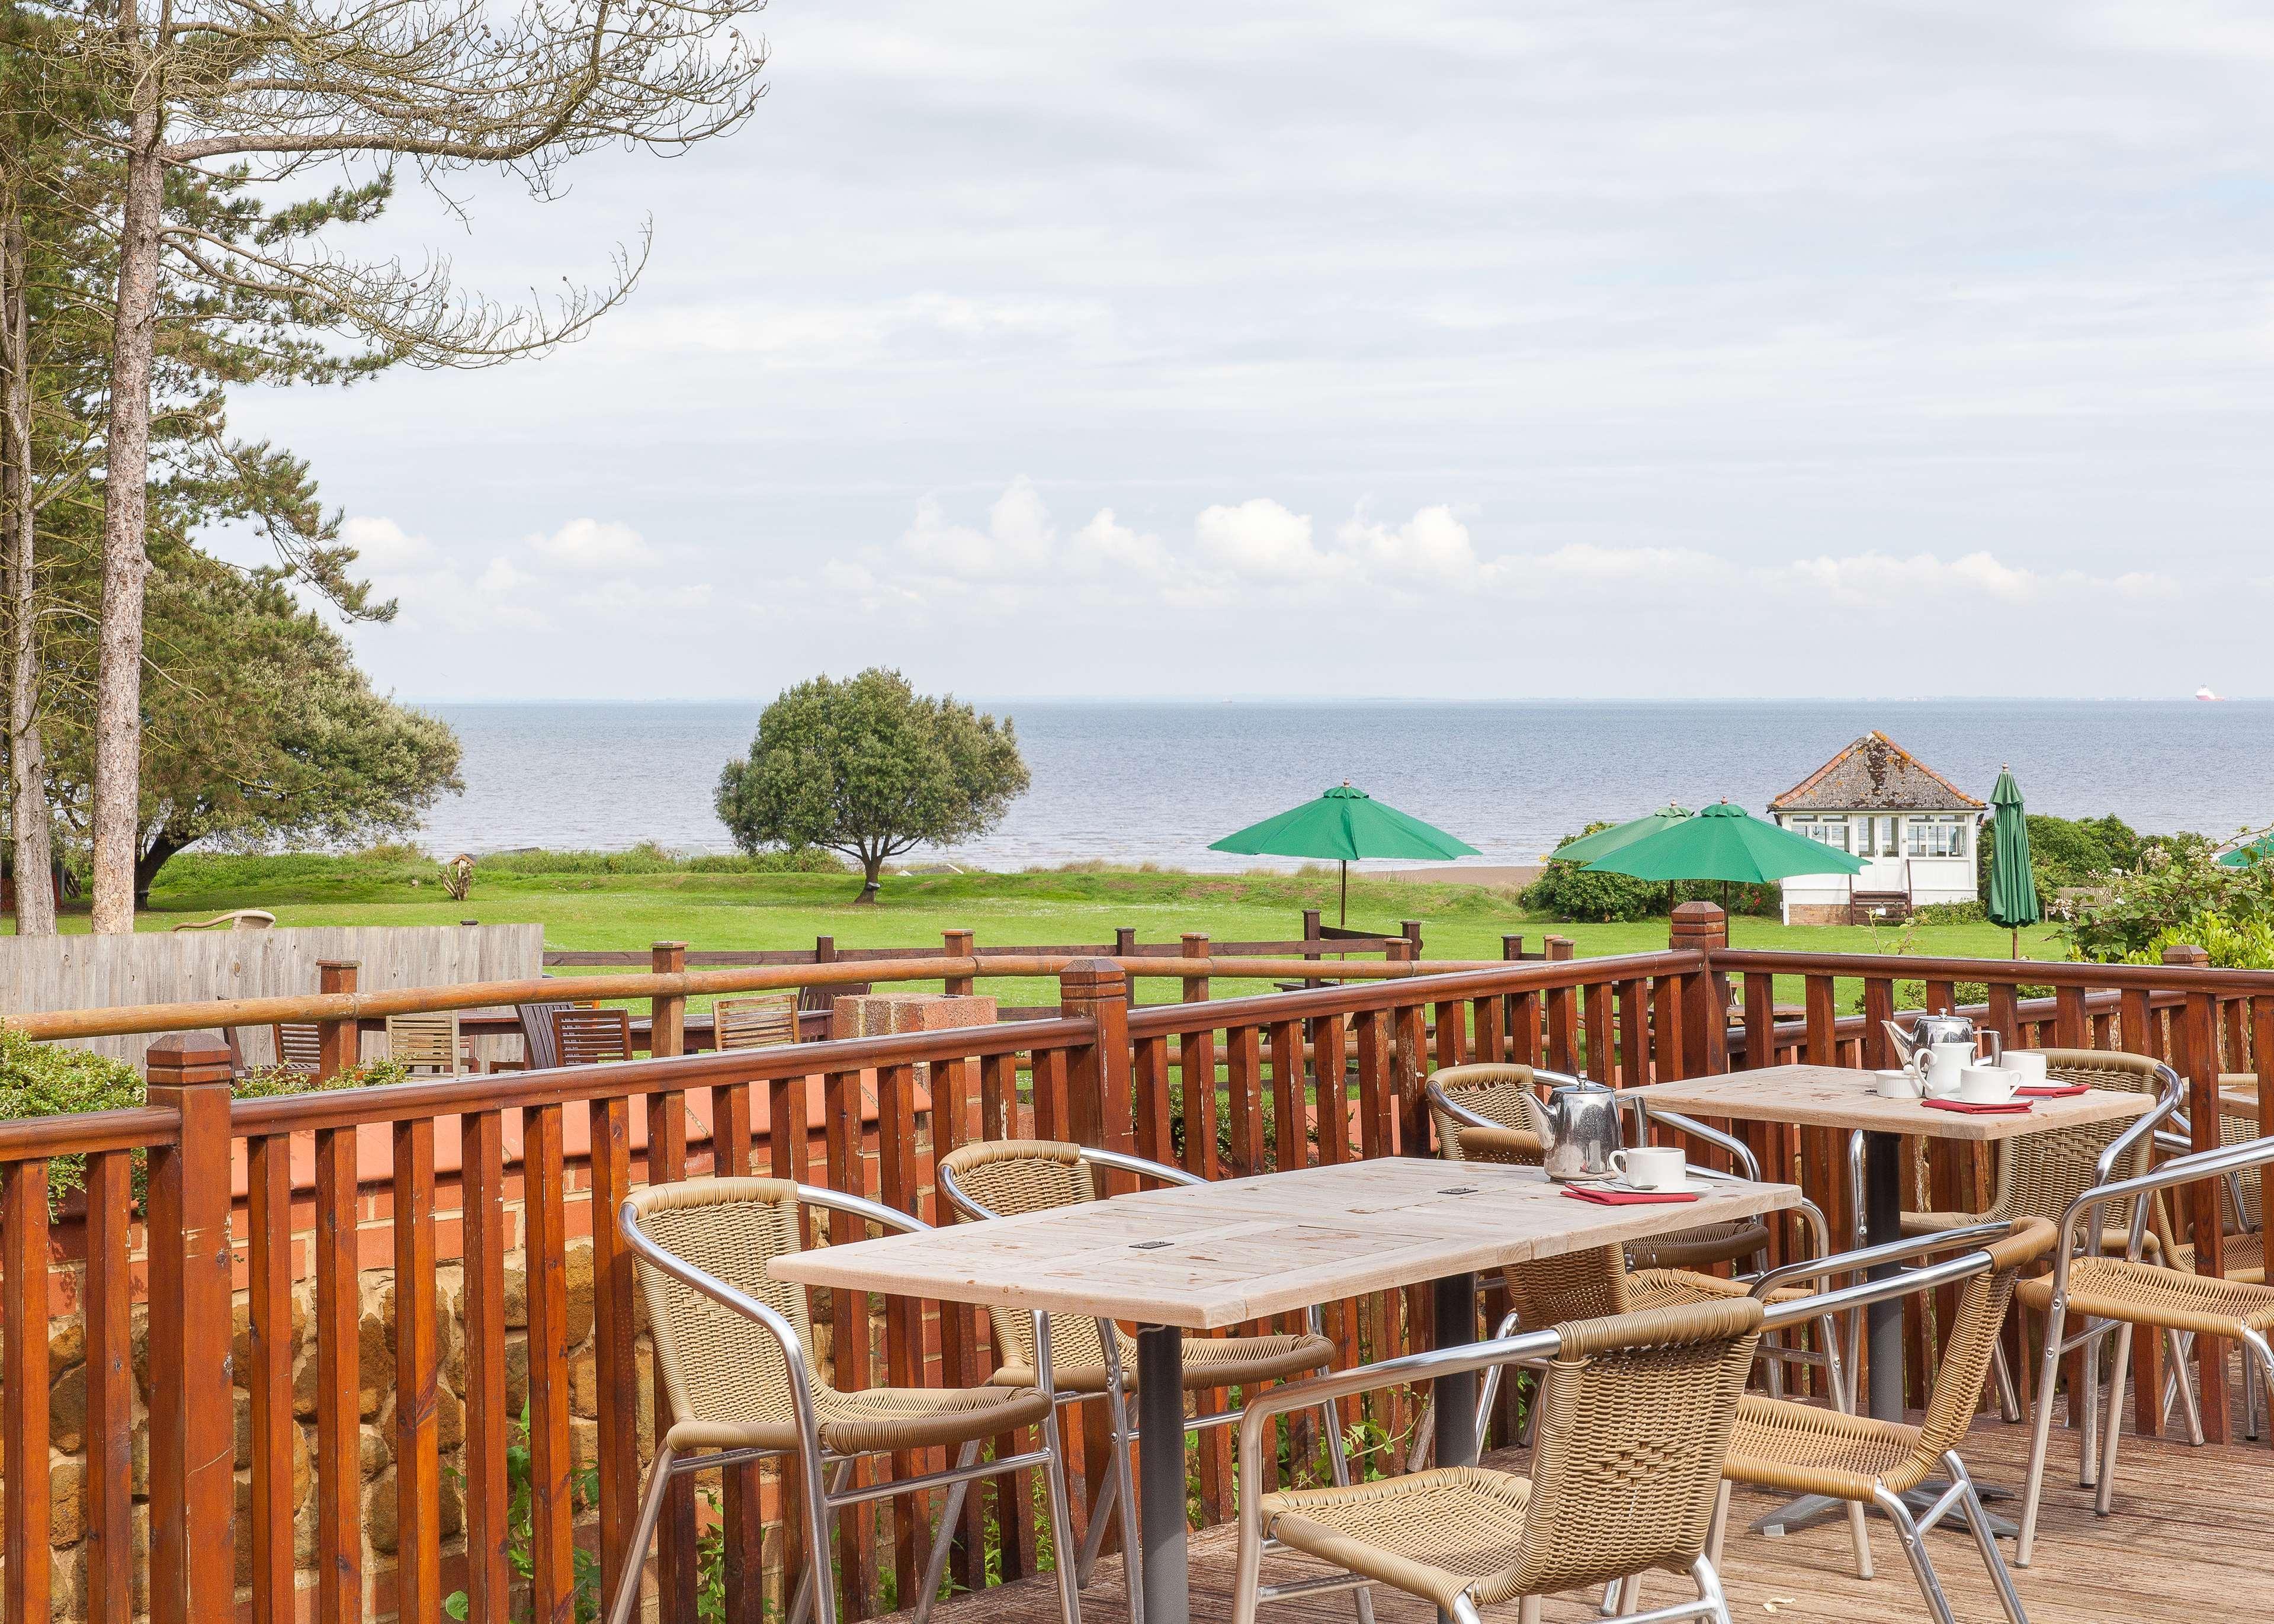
(2112, 1293)
(539, 1051)
(425, 1043)
(1003, 1177)
(583, 1036)
(763, 1022)
(300, 1046)
(734, 1349)
(1636, 1414)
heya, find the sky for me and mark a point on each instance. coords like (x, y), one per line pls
(1045, 348)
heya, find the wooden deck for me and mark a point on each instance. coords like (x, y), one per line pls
(2189, 1542)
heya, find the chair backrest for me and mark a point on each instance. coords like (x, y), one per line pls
(1506, 1146)
(424, 1042)
(1010, 1176)
(1500, 1094)
(2040, 1174)
(2233, 1130)
(761, 1022)
(587, 1037)
(716, 1364)
(1973, 1338)
(1634, 1418)
(537, 1045)
(299, 1045)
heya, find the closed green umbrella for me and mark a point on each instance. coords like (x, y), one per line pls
(1344, 824)
(1603, 842)
(2249, 852)
(1724, 843)
(2013, 887)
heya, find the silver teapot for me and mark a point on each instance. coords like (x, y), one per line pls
(1579, 1130)
(1927, 1031)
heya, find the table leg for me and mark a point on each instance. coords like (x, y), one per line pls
(1883, 1223)
(1161, 1474)
(1456, 1397)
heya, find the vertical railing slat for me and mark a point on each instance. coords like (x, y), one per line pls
(269, 1266)
(418, 1461)
(482, 1200)
(110, 1397)
(337, 1330)
(615, 1363)
(27, 1521)
(553, 1578)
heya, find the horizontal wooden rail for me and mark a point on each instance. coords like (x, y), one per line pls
(2002, 972)
(89, 1133)
(692, 983)
(570, 1085)
(754, 958)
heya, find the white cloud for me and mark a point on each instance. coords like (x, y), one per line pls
(1262, 541)
(1431, 542)
(1018, 540)
(503, 576)
(593, 544)
(383, 547)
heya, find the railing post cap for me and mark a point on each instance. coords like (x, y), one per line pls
(339, 964)
(1090, 973)
(1700, 909)
(183, 1051)
(668, 946)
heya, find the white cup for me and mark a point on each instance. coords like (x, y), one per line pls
(1652, 1167)
(1901, 1084)
(2030, 1063)
(1982, 1085)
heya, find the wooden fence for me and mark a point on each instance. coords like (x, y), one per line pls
(1319, 1075)
(43, 974)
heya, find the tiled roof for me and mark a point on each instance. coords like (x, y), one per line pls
(1875, 774)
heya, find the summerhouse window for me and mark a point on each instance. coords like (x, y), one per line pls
(1938, 836)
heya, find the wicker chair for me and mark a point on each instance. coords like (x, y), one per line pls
(2111, 1292)
(1805, 1450)
(1096, 1358)
(586, 1037)
(300, 1046)
(1636, 1413)
(734, 1348)
(763, 1022)
(2040, 1174)
(426, 1043)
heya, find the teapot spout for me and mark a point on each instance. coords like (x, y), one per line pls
(1906, 1045)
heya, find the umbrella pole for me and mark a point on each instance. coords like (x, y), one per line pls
(2017, 941)
(1346, 913)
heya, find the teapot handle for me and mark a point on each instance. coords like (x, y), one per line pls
(1997, 1045)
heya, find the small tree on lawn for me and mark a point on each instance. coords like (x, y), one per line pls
(870, 767)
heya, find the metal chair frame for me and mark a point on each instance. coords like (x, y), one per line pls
(2099, 1468)
(823, 1474)
(1531, 1348)
(1119, 1493)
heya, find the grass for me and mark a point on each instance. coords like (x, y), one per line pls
(627, 900)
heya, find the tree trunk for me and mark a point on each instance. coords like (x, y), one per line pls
(125, 560)
(872, 864)
(163, 848)
(29, 816)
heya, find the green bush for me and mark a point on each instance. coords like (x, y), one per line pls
(1566, 892)
(1951, 913)
(2067, 852)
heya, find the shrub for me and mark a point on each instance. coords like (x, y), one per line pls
(1951, 913)
(42, 1079)
(1566, 892)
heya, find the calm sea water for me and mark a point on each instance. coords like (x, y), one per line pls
(1130, 782)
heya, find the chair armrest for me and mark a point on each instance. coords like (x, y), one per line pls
(838, 1201)
(1121, 1161)
(1872, 1257)
(1739, 1151)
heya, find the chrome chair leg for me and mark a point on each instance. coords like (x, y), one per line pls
(1977, 1522)
(2104, 1496)
(944, 1538)
(2088, 1441)
(1338, 1464)
(821, 1600)
(627, 1587)
(1915, 1548)
(1708, 1577)
(1062, 1540)
(2041, 1432)
(2177, 1345)
(2009, 1401)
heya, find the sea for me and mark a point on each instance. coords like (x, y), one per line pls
(1132, 782)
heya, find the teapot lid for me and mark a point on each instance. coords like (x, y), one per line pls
(1580, 1085)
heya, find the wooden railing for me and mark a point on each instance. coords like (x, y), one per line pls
(482, 1171)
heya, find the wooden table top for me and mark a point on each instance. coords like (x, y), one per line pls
(1239, 1248)
(1839, 1097)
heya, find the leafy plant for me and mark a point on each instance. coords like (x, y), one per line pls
(1565, 890)
(44, 1080)
(2179, 892)
(520, 1553)
(268, 1082)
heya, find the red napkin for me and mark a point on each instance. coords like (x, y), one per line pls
(1967, 1108)
(2051, 1091)
(1628, 1198)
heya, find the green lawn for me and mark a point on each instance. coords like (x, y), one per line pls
(593, 908)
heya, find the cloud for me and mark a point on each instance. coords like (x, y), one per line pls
(1019, 539)
(1431, 542)
(593, 544)
(503, 576)
(383, 546)
(1262, 541)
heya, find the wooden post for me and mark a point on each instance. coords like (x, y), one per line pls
(1098, 1073)
(192, 1419)
(1124, 941)
(2196, 1026)
(1310, 934)
(342, 1043)
(958, 945)
(666, 1011)
(1511, 948)
(1411, 930)
(1702, 928)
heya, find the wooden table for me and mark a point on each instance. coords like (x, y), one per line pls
(1838, 1097)
(1216, 1255)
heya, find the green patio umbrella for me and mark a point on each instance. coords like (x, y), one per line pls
(2260, 850)
(1726, 843)
(2013, 887)
(1346, 824)
(1603, 842)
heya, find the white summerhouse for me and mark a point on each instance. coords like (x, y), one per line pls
(1916, 831)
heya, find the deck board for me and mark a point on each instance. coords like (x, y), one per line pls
(2189, 1540)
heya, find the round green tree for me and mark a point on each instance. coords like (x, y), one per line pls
(872, 768)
